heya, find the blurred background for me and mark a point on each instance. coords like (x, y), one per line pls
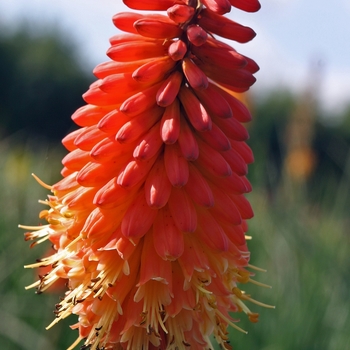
(300, 136)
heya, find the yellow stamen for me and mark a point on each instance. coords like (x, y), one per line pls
(42, 183)
(77, 341)
(245, 297)
(228, 321)
(256, 268)
(45, 202)
(32, 228)
(259, 283)
(35, 284)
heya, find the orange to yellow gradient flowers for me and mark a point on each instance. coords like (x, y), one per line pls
(148, 223)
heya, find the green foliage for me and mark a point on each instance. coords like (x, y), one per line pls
(268, 140)
(305, 250)
(24, 315)
(266, 133)
(42, 83)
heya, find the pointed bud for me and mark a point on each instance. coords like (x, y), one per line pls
(168, 239)
(89, 136)
(149, 145)
(80, 199)
(140, 102)
(105, 69)
(108, 149)
(210, 232)
(214, 101)
(124, 21)
(198, 188)
(243, 206)
(111, 195)
(138, 219)
(194, 75)
(219, 54)
(122, 82)
(76, 159)
(216, 139)
(236, 162)
(170, 123)
(177, 50)
(89, 115)
(155, 269)
(159, 5)
(134, 172)
(251, 65)
(246, 5)
(157, 29)
(180, 13)
(239, 110)
(169, 89)
(136, 126)
(218, 6)
(137, 50)
(112, 122)
(224, 208)
(243, 150)
(187, 142)
(234, 184)
(68, 141)
(157, 185)
(95, 174)
(182, 210)
(224, 27)
(67, 184)
(233, 128)
(128, 37)
(153, 71)
(99, 223)
(212, 162)
(196, 35)
(176, 165)
(234, 79)
(195, 111)
(95, 96)
(235, 234)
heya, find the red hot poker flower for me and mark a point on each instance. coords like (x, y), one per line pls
(149, 220)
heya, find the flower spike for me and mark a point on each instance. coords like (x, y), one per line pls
(149, 221)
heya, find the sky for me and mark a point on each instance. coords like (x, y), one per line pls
(300, 44)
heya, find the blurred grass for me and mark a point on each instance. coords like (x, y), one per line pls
(24, 315)
(304, 247)
(305, 250)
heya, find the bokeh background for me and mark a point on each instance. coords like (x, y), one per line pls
(300, 136)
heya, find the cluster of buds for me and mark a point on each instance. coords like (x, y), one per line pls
(149, 220)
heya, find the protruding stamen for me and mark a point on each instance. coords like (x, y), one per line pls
(223, 317)
(32, 228)
(42, 183)
(256, 268)
(245, 297)
(77, 341)
(260, 284)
